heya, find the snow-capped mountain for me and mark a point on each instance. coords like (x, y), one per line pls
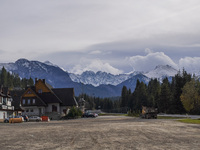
(98, 78)
(99, 84)
(35, 69)
(161, 72)
(131, 82)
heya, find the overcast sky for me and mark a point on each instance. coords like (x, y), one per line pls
(109, 35)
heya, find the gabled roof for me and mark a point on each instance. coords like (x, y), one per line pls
(16, 96)
(66, 95)
(36, 95)
(5, 92)
(49, 97)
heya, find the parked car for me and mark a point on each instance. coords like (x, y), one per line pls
(35, 118)
(6, 120)
(25, 118)
(93, 115)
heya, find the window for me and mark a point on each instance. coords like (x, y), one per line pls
(29, 92)
(40, 91)
(33, 101)
(27, 110)
(31, 110)
(54, 108)
(24, 101)
(29, 101)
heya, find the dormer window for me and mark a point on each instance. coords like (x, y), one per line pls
(29, 92)
(40, 91)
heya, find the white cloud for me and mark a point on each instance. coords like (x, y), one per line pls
(150, 61)
(148, 51)
(95, 52)
(96, 65)
(190, 64)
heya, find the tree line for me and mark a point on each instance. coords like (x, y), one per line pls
(13, 81)
(178, 96)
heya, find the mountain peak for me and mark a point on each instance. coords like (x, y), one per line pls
(22, 60)
(163, 67)
(161, 71)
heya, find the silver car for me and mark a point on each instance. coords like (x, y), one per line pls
(35, 118)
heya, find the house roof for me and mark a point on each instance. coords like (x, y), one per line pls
(41, 103)
(5, 92)
(16, 96)
(66, 95)
(49, 97)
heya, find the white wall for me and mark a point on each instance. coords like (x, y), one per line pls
(49, 108)
(1, 114)
(35, 111)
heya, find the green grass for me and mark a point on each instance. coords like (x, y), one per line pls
(192, 121)
(112, 114)
(168, 117)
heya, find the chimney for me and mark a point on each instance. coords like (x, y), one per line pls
(35, 80)
(44, 81)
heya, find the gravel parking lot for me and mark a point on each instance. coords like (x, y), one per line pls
(101, 133)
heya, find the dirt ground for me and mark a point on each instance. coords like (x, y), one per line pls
(100, 133)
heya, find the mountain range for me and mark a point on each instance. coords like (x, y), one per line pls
(99, 84)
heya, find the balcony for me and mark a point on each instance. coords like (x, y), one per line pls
(3, 107)
(10, 107)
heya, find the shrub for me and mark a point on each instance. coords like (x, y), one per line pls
(74, 113)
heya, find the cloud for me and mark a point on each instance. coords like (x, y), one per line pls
(148, 51)
(150, 61)
(95, 65)
(95, 52)
(190, 64)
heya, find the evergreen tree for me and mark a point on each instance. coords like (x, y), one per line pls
(178, 83)
(4, 77)
(124, 97)
(153, 92)
(139, 97)
(165, 97)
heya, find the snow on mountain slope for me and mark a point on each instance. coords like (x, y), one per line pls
(96, 79)
(99, 78)
(161, 72)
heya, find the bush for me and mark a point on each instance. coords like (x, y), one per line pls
(74, 113)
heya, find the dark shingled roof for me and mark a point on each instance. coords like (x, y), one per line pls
(66, 95)
(16, 96)
(49, 97)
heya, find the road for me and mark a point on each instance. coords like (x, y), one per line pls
(115, 133)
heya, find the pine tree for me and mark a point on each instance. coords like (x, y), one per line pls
(124, 96)
(4, 77)
(165, 97)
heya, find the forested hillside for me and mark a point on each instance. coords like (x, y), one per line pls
(13, 81)
(182, 95)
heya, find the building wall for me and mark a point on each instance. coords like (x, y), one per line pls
(40, 85)
(49, 107)
(2, 114)
(34, 111)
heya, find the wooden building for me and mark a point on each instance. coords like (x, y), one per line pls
(42, 99)
(6, 108)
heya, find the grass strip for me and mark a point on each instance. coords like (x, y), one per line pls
(169, 117)
(192, 121)
(112, 114)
